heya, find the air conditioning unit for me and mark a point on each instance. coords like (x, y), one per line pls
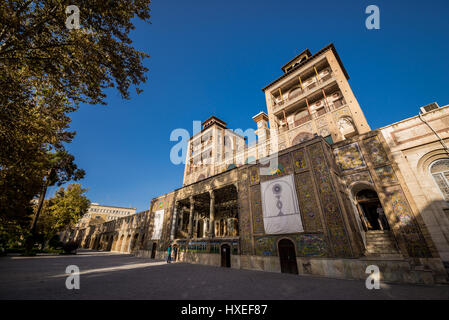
(429, 107)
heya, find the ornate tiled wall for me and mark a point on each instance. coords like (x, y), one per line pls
(338, 236)
(256, 209)
(349, 157)
(308, 204)
(408, 226)
(307, 245)
(365, 159)
(317, 202)
(244, 210)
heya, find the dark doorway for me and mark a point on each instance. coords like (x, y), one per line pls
(373, 215)
(226, 256)
(287, 255)
(175, 253)
(199, 232)
(153, 251)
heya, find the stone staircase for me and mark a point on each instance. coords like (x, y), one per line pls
(381, 244)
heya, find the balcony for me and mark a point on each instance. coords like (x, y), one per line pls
(299, 94)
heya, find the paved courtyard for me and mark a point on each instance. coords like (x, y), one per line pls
(118, 276)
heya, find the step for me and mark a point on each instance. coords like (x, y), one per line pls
(381, 251)
(380, 240)
(373, 246)
(379, 236)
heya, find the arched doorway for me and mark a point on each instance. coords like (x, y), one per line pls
(153, 251)
(226, 256)
(287, 256)
(371, 211)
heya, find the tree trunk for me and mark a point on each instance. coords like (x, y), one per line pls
(39, 206)
(30, 241)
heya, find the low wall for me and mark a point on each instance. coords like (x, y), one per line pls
(427, 271)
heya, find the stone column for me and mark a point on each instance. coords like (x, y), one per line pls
(192, 205)
(173, 223)
(181, 218)
(212, 214)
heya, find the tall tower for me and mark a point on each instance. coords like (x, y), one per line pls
(263, 131)
(213, 150)
(313, 98)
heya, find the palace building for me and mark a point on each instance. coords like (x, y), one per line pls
(320, 193)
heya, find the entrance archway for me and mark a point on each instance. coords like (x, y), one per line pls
(371, 210)
(226, 256)
(287, 256)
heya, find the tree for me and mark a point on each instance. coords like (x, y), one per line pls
(61, 169)
(46, 72)
(63, 210)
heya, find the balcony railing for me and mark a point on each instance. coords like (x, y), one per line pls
(303, 120)
(307, 89)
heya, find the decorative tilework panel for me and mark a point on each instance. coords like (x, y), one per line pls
(386, 174)
(245, 225)
(256, 209)
(375, 151)
(331, 210)
(349, 157)
(265, 246)
(358, 177)
(308, 202)
(254, 175)
(299, 160)
(277, 168)
(416, 245)
(311, 245)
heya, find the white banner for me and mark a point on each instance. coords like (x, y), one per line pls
(280, 206)
(158, 220)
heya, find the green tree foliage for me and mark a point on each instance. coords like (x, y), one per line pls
(46, 72)
(63, 210)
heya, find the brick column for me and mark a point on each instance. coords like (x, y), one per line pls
(192, 205)
(175, 219)
(212, 214)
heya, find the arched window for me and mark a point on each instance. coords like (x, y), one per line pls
(440, 172)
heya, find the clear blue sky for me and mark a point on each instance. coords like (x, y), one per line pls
(213, 57)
